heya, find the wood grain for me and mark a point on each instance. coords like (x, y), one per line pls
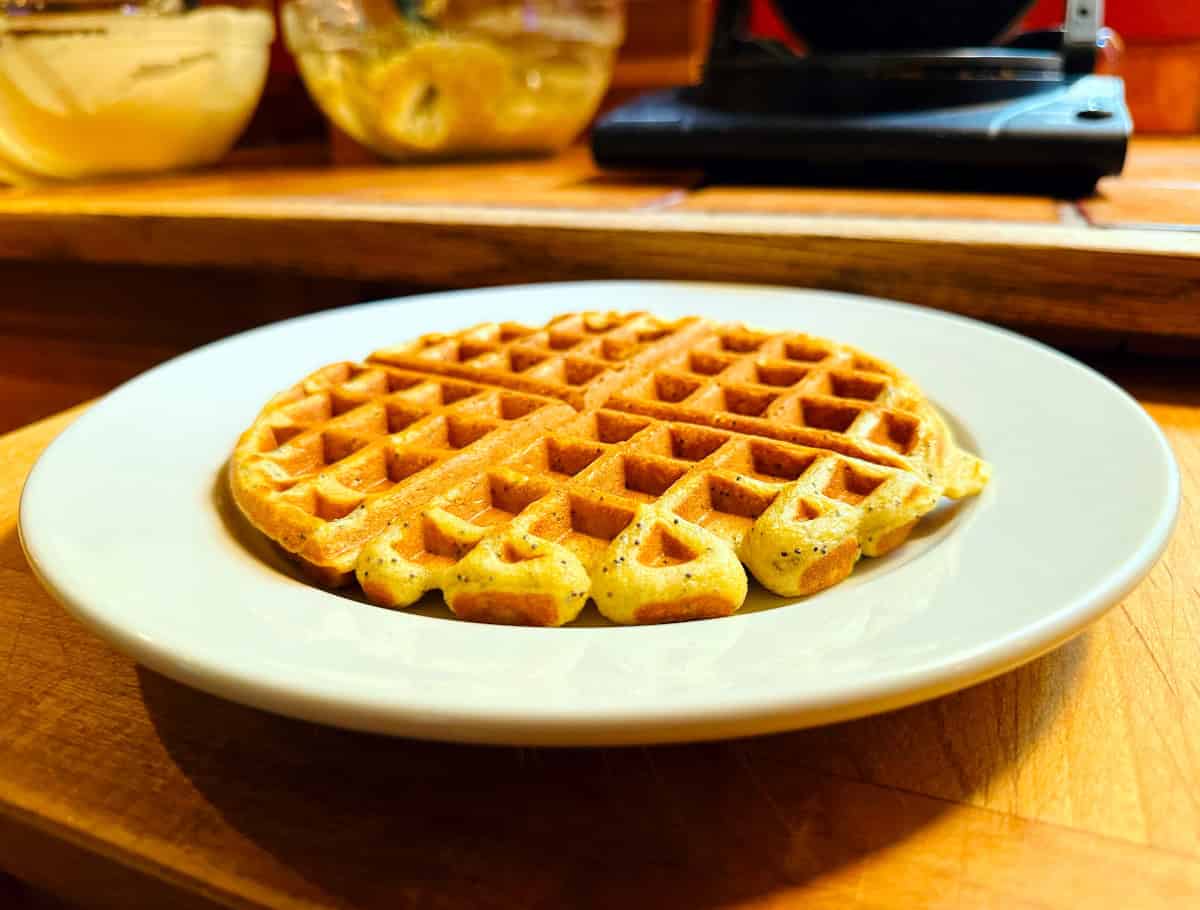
(1069, 782)
(70, 334)
(503, 222)
(872, 203)
(1157, 158)
(67, 335)
(1163, 204)
(1070, 277)
(566, 181)
(1159, 187)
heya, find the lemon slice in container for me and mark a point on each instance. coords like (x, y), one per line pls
(441, 93)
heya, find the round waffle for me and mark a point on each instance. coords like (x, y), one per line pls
(637, 462)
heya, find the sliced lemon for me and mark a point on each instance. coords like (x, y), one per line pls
(441, 94)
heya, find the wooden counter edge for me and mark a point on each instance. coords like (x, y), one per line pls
(1137, 282)
(16, 211)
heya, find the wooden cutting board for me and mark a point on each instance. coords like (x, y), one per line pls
(1071, 782)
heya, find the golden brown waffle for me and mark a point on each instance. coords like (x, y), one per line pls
(787, 386)
(805, 390)
(652, 519)
(580, 358)
(700, 448)
(331, 461)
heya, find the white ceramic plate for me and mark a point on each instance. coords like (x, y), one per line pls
(126, 520)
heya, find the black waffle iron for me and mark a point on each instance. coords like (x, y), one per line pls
(909, 93)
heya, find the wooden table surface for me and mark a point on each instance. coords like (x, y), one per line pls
(1072, 782)
(1125, 260)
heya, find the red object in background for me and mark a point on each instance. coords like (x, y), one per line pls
(765, 21)
(1132, 19)
(1136, 20)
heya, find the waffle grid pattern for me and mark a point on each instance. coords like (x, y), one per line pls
(675, 484)
(340, 455)
(739, 446)
(579, 358)
(791, 387)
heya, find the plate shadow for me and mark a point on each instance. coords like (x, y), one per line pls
(374, 822)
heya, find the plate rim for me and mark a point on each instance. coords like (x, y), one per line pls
(883, 692)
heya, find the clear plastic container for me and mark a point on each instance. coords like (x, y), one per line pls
(453, 78)
(91, 89)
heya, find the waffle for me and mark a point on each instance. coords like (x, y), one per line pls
(580, 358)
(636, 462)
(332, 460)
(787, 386)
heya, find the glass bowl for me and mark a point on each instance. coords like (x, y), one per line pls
(91, 89)
(419, 79)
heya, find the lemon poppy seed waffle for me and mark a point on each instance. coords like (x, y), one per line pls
(580, 358)
(651, 519)
(640, 463)
(329, 462)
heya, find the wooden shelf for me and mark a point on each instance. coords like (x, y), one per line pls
(1023, 260)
